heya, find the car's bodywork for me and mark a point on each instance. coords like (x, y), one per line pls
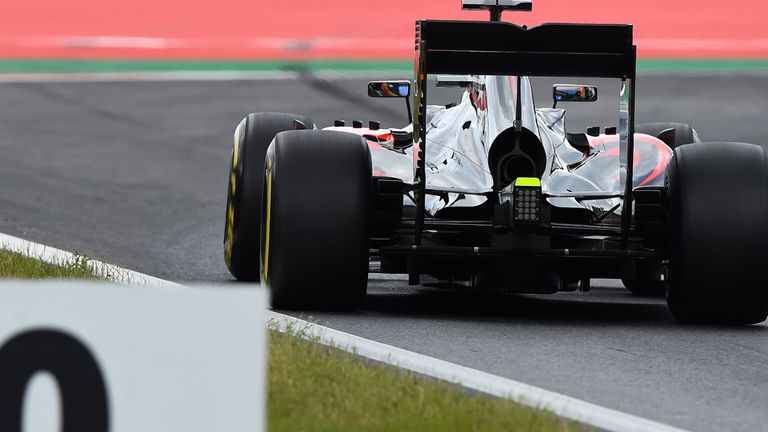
(457, 166)
(459, 153)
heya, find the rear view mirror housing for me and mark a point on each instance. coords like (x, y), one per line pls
(574, 93)
(398, 89)
(392, 89)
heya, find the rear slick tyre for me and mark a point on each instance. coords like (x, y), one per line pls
(242, 222)
(718, 269)
(315, 220)
(681, 133)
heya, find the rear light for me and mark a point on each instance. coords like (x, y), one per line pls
(527, 200)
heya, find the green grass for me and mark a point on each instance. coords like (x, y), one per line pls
(17, 266)
(702, 65)
(404, 66)
(315, 388)
(86, 66)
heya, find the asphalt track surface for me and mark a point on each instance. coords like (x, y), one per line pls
(135, 174)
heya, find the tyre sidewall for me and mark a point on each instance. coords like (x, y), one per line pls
(718, 233)
(318, 257)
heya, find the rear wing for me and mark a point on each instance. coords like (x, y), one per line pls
(500, 48)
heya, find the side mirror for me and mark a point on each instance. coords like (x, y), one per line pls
(573, 93)
(399, 89)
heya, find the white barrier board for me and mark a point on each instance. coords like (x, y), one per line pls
(131, 358)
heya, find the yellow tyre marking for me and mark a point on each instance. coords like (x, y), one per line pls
(230, 233)
(268, 230)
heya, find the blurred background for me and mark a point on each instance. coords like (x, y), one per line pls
(345, 29)
(674, 38)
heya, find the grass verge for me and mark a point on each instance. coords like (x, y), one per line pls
(118, 66)
(315, 388)
(17, 266)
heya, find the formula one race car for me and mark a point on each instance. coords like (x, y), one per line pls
(493, 193)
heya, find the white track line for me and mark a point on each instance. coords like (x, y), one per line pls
(57, 256)
(564, 406)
